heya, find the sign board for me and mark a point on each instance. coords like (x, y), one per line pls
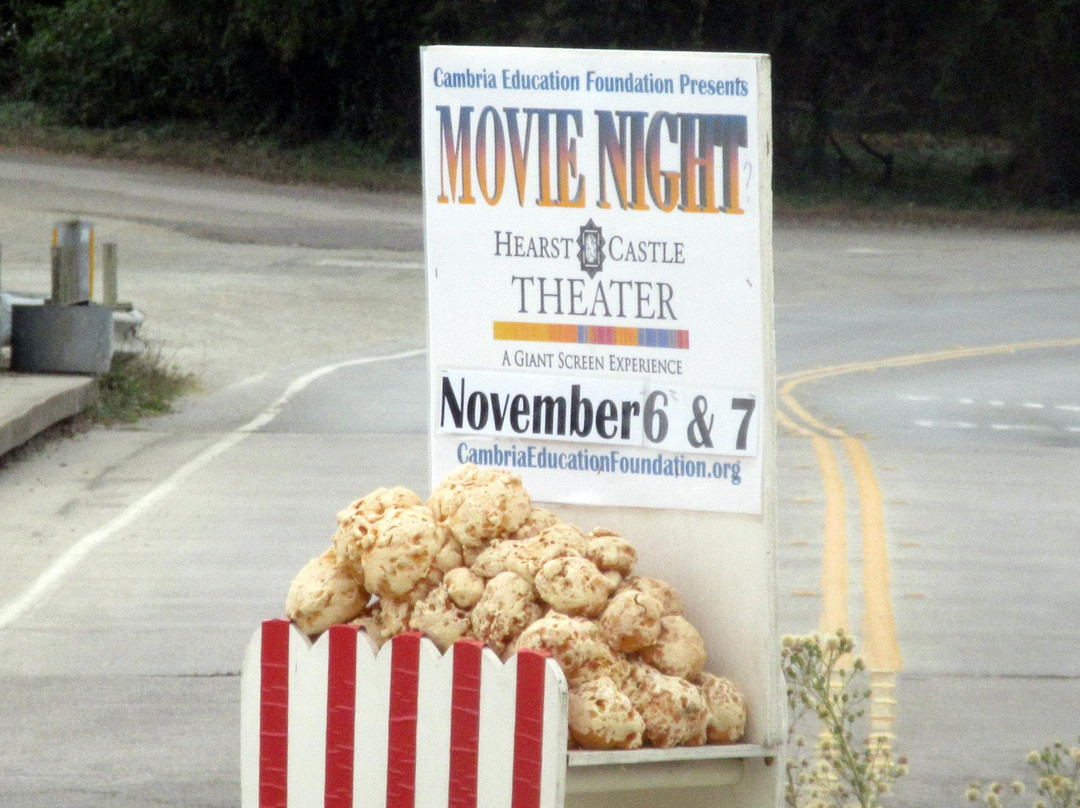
(597, 249)
(597, 229)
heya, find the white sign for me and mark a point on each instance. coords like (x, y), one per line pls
(594, 247)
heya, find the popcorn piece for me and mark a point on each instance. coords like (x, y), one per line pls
(464, 586)
(616, 667)
(572, 585)
(392, 616)
(354, 522)
(661, 590)
(577, 645)
(480, 504)
(727, 708)
(372, 506)
(324, 593)
(674, 710)
(631, 621)
(526, 556)
(615, 579)
(564, 536)
(507, 606)
(369, 623)
(400, 549)
(469, 555)
(679, 650)
(493, 559)
(537, 520)
(610, 552)
(440, 619)
(602, 717)
(433, 580)
(450, 555)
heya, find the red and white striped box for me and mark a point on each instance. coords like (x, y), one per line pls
(339, 724)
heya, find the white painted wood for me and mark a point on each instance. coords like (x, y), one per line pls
(250, 692)
(496, 751)
(589, 757)
(372, 708)
(433, 726)
(656, 776)
(556, 701)
(307, 723)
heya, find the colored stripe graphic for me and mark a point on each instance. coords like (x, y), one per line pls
(678, 339)
(340, 717)
(529, 729)
(465, 724)
(401, 741)
(274, 714)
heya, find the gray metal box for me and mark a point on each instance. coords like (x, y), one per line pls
(61, 339)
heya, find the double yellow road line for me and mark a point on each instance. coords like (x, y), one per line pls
(879, 641)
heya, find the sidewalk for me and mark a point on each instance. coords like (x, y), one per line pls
(32, 402)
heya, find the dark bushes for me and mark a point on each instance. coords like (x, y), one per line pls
(312, 69)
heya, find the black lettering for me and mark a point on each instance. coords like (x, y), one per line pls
(546, 409)
(606, 412)
(581, 413)
(454, 403)
(519, 412)
(477, 410)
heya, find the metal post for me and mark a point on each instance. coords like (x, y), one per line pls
(54, 281)
(79, 235)
(69, 275)
(108, 280)
(65, 275)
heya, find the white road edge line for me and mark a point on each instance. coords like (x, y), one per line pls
(63, 565)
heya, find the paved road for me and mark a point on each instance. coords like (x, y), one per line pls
(302, 311)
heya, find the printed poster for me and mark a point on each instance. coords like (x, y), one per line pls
(595, 267)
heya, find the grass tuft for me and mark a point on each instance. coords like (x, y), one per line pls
(139, 386)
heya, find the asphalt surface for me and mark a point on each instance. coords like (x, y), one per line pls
(120, 675)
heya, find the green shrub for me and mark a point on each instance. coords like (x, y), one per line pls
(111, 62)
(137, 386)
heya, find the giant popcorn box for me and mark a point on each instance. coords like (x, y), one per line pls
(339, 724)
(406, 726)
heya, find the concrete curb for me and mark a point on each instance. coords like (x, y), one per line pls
(31, 403)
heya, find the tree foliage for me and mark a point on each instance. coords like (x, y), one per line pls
(310, 69)
(1014, 70)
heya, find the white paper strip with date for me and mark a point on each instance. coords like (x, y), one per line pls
(594, 251)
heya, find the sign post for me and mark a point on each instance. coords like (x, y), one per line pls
(599, 265)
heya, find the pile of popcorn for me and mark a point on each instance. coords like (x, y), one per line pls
(478, 561)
